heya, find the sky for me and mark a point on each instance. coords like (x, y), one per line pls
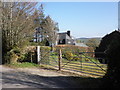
(119, 15)
(84, 19)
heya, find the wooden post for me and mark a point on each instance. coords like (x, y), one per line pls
(1, 34)
(31, 57)
(81, 65)
(38, 54)
(59, 59)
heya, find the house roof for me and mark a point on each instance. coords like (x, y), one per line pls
(62, 33)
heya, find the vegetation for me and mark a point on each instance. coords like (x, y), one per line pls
(112, 46)
(92, 43)
(19, 22)
(17, 26)
(23, 65)
(50, 29)
(70, 60)
(105, 44)
(46, 30)
(71, 52)
(85, 40)
(74, 61)
(84, 65)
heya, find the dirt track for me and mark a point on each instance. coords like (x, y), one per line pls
(40, 78)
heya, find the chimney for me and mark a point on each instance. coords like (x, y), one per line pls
(68, 33)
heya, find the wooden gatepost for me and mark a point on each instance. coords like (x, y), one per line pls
(59, 59)
(38, 55)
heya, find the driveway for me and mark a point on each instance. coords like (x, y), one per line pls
(42, 78)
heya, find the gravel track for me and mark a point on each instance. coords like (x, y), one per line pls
(35, 78)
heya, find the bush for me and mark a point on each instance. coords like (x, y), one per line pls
(68, 55)
(112, 77)
(7, 57)
(11, 57)
(17, 51)
(76, 58)
(24, 57)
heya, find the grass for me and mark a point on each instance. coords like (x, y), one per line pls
(83, 58)
(23, 65)
(88, 67)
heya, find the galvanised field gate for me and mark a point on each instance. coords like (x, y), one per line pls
(83, 63)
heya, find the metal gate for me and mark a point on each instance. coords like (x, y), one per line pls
(83, 63)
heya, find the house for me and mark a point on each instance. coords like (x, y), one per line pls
(62, 38)
(66, 38)
(38, 35)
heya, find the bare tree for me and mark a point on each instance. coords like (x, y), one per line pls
(50, 29)
(38, 23)
(17, 23)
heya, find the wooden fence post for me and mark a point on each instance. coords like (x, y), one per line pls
(59, 59)
(31, 57)
(38, 54)
(81, 65)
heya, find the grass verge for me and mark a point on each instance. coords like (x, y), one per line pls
(23, 65)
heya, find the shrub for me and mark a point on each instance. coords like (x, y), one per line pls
(11, 57)
(112, 77)
(76, 58)
(24, 57)
(7, 57)
(14, 58)
(17, 51)
(68, 55)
